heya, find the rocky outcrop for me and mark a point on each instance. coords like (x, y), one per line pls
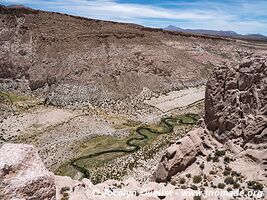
(180, 155)
(236, 101)
(235, 119)
(23, 175)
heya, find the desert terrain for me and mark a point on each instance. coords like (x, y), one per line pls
(113, 105)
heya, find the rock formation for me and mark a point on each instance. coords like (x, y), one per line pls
(180, 155)
(235, 123)
(23, 175)
(236, 101)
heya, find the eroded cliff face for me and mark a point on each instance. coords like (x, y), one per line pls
(236, 101)
(72, 60)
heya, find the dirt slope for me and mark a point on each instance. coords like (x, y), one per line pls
(73, 59)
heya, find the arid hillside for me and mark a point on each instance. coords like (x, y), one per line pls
(73, 60)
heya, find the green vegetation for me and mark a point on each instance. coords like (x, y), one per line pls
(193, 187)
(255, 185)
(197, 179)
(226, 159)
(197, 197)
(229, 180)
(234, 173)
(221, 185)
(227, 171)
(215, 159)
(182, 181)
(202, 166)
(100, 151)
(209, 158)
(13, 98)
(219, 153)
(127, 124)
(236, 185)
(188, 175)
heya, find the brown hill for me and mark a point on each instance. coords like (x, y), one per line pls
(74, 59)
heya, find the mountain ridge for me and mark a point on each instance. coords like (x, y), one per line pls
(222, 33)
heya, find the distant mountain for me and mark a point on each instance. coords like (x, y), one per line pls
(18, 6)
(217, 33)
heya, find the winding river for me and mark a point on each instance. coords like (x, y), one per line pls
(166, 124)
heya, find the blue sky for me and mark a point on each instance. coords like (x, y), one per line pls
(242, 16)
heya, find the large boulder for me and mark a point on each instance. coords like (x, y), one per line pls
(23, 175)
(180, 155)
(236, 101)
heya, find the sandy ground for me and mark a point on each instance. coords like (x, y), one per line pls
(16, 125)
(177, 99)
(58, 132)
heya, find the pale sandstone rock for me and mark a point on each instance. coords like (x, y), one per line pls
(236, 101)
(180, 155)
(23, 174)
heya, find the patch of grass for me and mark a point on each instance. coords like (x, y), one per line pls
(221, 185)
(129, 123)
(188, 119)
(236, 185)
(219, 153)
(111, 145)
(193, 187)
(202, 166)
(188, 175)
(229, 180)
(13, 98)
(255, 185)
(132, 123)
(234, 173)
(197, 197)
(197, 179)
(182, 181)
(226, 159)
(209, 158)
(215, 159)
(64, 189)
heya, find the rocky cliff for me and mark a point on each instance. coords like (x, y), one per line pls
(236, 101)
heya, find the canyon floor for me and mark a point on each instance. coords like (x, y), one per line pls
(61, 134)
